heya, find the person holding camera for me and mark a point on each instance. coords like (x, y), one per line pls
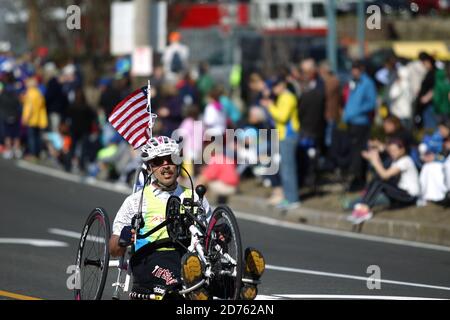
(399, 183)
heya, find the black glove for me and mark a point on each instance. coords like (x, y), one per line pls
(125, 237)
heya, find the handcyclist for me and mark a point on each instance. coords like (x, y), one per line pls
(158, 265)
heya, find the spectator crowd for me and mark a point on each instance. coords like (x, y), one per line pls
(387, 134)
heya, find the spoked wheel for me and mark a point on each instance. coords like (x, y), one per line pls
(223, 242)
(93, 256)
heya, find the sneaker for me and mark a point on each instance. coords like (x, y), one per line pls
(363, 217)
(192, 273)
(276, 198)
(8, 154)
(286, 205)
(360, 214)
(253, 270)
(352, 217)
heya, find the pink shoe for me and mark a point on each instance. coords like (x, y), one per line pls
(360, 214)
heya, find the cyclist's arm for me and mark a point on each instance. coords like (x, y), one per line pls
(122, 219)
(114, 249)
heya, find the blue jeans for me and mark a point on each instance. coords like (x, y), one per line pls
(329, 130)
(34, 141)
(288, 168)
(429, 118)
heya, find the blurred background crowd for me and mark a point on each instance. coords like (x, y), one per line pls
(382, 128)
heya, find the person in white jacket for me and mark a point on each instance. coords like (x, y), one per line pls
(402, 98)
(432, 177)
(447, 163)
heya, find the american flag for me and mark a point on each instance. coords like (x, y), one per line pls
(131, 118)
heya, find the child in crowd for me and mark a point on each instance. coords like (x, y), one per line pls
(58, 144)
(447, 162)
(432, 176)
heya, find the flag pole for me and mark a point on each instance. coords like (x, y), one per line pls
(149, 108)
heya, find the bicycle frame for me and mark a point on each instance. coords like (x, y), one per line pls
(122, 264)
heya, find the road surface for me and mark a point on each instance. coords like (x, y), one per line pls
(41, 216)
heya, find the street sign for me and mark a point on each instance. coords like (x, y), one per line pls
(142, 62)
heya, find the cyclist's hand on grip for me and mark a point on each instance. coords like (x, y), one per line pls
(137, 220)
(127, 236)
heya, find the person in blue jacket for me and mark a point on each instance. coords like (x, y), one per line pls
(358, 114)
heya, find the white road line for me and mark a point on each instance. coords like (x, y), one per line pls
(241, 215)
(296, 226)
(347, 276)
(34, 242)
(343, 296)
(268, 297)
(74, 235)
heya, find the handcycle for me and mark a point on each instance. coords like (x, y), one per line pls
(187, 226)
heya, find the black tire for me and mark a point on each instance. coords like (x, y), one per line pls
(93, 256)
(225, 287)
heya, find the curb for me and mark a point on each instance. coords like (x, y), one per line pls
(398, 229)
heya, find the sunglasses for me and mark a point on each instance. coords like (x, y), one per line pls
(159, 161)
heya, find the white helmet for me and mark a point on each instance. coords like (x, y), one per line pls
(159, 147)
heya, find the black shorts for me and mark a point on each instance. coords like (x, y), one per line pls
(12, 129)
(157, 272)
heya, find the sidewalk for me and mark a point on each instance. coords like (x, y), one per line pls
(429, 224)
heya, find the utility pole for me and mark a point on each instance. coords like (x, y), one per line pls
(361, 29)
(34, 36)
(141, 29)
(332, 35)
(142, 23)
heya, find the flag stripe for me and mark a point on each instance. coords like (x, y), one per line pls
(144, 137)
(124, 126)
(130, 118)
(137, 127)
(137, 105)
(141, 141)
(123, 105)
(137, 94)
(136, 136)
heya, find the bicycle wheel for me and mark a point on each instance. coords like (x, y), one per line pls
(224, 248)
(93, 256)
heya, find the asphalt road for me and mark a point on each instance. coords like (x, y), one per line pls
(301, 264)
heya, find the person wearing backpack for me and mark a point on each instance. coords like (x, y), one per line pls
(175, 57)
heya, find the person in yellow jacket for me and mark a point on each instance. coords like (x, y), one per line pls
(34, 115)
(284, 113)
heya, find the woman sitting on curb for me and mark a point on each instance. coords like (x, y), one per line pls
(404, 192)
